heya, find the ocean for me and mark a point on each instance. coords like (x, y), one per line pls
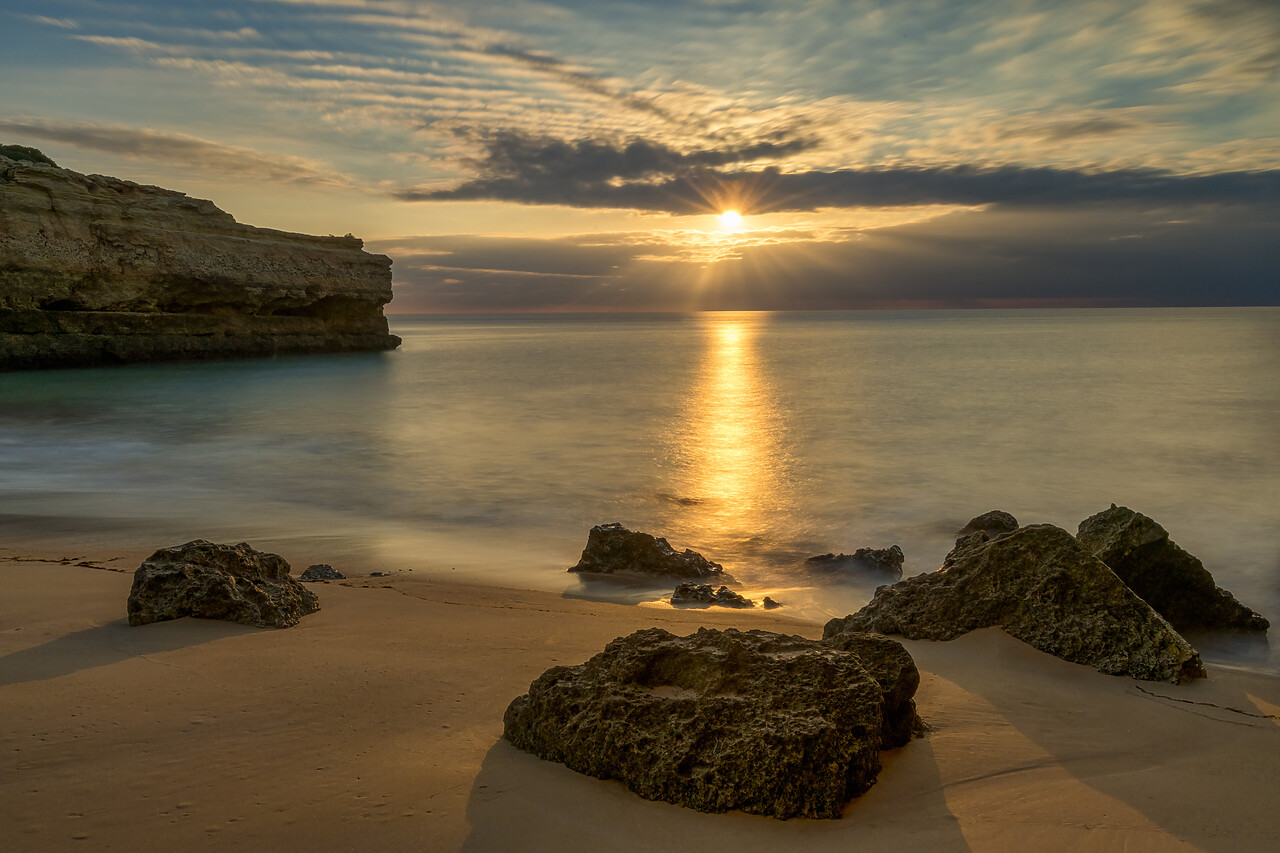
(486, 447)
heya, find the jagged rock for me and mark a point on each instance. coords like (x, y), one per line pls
(995, 522)
(701, 594)
(878, 559)
(766, 723)
(1172, 581)
(97, 270)
(894, 670)
(234, 583)
(322, 572)
(613, 548)
(1042, 587)
(769, 604)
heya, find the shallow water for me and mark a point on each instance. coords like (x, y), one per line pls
(486, 447)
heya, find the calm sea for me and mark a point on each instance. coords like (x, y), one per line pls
(486, 447)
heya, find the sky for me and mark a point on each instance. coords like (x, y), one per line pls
(577, 155)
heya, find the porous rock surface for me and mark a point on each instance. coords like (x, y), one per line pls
(234, 583)
(895, 671)
(888, 560)
(1172, 581)
(612, 548)
(995, 522)
(97, 270)
(321, 572)
(701, 594)
(770, 724)
(1041, 586)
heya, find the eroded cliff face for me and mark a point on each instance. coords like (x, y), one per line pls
(96, 270)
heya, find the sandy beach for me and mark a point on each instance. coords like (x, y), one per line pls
(376, 725)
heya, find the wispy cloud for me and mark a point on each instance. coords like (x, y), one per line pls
(191, 151)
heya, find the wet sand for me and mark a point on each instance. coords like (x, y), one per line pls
(376, 725)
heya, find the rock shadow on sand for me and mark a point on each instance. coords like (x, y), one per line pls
(520, 802)
(108, 644)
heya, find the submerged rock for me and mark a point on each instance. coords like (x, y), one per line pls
(98, 270)
(887, 560)
(613, 548)
(700, 594)
(718, 720)
(1044, 588)
(1172, 581)
(234, 583)
(322, 572)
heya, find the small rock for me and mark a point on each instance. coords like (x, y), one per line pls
(379, 574)
(322, 572)
(701, 594)
(995, 522)
(230, 582)
(613, 548)
(878, 559)
(770, 604)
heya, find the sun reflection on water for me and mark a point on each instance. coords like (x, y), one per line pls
(731, 442)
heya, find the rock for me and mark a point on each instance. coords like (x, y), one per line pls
(613, 548)
(995, 522)
(322, 572)
(878, 559)
(700, 594)
(769, 604)
(894, 670)
(379, 574)
(766, 723)
(1042, 587)
(230, 582)
(96, 270)
(1172, 581)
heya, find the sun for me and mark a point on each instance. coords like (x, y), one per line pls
(731, 220)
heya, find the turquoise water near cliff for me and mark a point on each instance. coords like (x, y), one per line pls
(486, 447)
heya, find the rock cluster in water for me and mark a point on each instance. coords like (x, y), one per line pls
(1040, 585)
(612, 548)
(96, 270)
(234, 583)
(701, 594)
(888, 560)
(752, 720)
(1172, 581)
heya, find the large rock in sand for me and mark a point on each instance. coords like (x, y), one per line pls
(766, 723)
(612, 548)
(1172, 581)
(234, 583)
(1042, 587)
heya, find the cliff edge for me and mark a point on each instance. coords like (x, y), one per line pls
(97, 270)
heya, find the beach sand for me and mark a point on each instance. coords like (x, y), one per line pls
(376, 725)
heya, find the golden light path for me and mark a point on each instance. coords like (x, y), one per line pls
(732, 440)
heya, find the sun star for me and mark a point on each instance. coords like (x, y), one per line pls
(731, 220)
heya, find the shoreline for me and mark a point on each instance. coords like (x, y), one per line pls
(378, 721)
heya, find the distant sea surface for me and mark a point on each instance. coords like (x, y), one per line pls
(486, 447)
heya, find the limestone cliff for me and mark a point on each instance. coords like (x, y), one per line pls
(97, 270)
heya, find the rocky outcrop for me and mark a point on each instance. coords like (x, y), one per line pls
(96, 270)
(321, 572)
(612, 548)
(888, 560)
(894, 670)
(766, 723)
(1172, 581)
(700, 595)
(234, 583)
(1041, 586)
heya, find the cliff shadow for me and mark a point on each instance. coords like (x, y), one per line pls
(108, 644)
(521, 802)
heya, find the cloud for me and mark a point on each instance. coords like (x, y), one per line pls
(649, 176)
(1188, 255)
(174, 148)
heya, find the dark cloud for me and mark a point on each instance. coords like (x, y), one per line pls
(645, 175)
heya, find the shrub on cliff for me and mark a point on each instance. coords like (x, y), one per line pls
(22, 152)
